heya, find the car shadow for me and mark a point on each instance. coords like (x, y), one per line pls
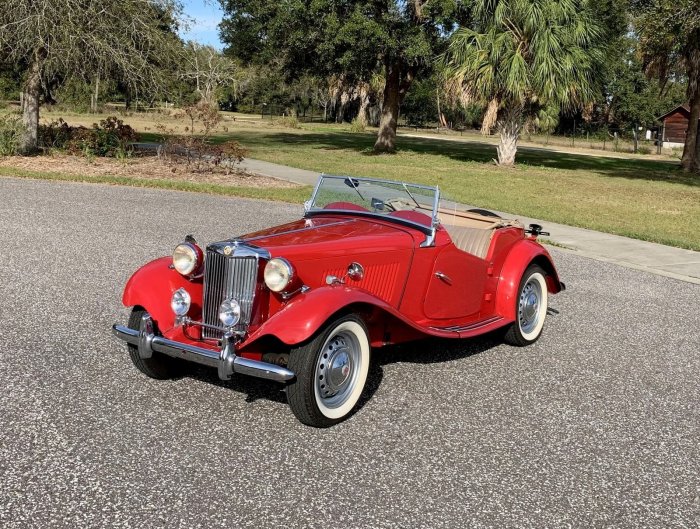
(425, 351)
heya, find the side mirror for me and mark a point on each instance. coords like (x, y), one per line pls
(352, 182)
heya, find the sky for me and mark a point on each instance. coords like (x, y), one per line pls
(206, 15)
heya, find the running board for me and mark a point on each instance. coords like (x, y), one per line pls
(470, 327)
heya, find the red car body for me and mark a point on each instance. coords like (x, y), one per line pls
(408, 290)
(400, 294)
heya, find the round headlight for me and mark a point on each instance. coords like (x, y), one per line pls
(229, 312)
(185, 258)
(180, 302)
(278, 274)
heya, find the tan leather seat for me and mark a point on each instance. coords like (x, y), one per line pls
(475, 241)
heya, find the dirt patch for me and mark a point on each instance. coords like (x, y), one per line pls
(143, 167)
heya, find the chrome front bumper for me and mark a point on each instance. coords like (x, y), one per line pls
(226, 361)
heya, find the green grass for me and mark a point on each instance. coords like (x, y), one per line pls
(294, 195)
(645, 199)
(631, 196)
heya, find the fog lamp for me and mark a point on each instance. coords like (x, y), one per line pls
(180, 302)
(230, 312)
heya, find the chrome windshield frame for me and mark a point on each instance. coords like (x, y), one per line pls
(428, 230)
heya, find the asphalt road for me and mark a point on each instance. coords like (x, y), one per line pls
(596, 425)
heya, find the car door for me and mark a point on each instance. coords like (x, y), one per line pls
(456, 285)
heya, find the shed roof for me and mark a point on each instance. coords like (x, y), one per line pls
(684, 108)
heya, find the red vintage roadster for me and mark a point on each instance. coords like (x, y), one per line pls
(371, 263)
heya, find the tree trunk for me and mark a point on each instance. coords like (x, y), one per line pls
(96, 94)
(30, 113)
(364, 104)
(386, 138)
(690, 160)
(509, 125)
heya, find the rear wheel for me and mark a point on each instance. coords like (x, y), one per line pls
(331, 372)
(530, 308)
(159, 366)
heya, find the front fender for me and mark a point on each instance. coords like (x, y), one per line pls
(306, 314)
(152, 287)
(519, 258)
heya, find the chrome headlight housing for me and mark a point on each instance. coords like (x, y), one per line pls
(278, 274)
(186, 258)
(180, 302)
(230, 312)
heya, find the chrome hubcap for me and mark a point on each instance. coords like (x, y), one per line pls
(336, 369)
(529, 306)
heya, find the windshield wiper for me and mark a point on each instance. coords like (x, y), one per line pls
(410, 195)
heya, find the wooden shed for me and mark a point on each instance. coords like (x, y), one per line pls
(675, 126)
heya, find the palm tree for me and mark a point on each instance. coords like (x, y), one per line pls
(523, 55)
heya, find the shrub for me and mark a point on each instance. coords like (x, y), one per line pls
(198, 153)
(111, 137)
(196, 148)
(55, 135)
(288, 122)
(643, 149)
(357, 126)
(11, 132)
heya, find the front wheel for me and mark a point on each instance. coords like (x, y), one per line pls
(159, 366)
(530, 308)
(331, 372)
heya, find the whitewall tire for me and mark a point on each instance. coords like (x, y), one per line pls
(530, 308)
(331, 372)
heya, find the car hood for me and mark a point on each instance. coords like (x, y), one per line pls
(328, 236)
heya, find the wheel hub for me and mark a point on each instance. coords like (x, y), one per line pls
(335, 367)
(529, 306)
(339, 369)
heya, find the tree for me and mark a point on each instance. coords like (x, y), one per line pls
(523, 55)
(88, 39)
(209, 69)
(353, 39)
(669, 33)
(633, 98)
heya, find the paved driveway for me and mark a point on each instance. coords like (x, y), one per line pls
(597, 424)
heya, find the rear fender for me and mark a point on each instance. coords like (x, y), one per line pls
(152, 287)
(522, 255)
(308, 312)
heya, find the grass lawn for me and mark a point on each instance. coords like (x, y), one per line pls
(645, 199)
(629, 195)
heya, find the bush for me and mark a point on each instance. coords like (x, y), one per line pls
(643, 149)
(55, 135)
(288, 122)
(111, 137)
(357, 126)
(197, 148)
(11, 132)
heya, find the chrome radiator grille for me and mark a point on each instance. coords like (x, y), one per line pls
(228, 277)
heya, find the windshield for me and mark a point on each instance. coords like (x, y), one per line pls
(410, 203)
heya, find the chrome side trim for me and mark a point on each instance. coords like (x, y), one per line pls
(226, 361)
